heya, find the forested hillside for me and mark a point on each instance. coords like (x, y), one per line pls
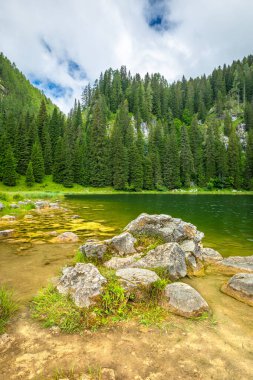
(132, 133)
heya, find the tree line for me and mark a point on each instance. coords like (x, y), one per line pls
(133, 133)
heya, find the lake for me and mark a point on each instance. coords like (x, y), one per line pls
(226, 220)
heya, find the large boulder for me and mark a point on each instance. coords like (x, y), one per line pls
(6, 233)
(210, 256)
(235, 264)
(169, 256)
(122, 262)
(93, 249)
(2, 206)
(164, 226)
(66, 237)
(122, 244)
(183, 300)
(83, 283)
(131, 278)
(240, 286)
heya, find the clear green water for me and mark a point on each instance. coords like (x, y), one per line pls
(226, 220)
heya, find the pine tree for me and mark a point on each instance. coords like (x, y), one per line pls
(59, 162)
(9, 169)
(37, 162)
(234, 160)
(148, 181)
(249, 162)
(29, 180)
(136, 170)
(186, 159)
(171, 169)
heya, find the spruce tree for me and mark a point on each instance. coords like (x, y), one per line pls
(186, 159)
(59, 162)
(148, 181)
(37, 162)
(9, 168)
(249, 162)
(234, 160)
(29, 179)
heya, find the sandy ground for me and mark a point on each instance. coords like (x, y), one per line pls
(183, 349)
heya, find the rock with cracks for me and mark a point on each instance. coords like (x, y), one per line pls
(210, 256)
(93, 249)
(131, 278)
(235, 264)
(66, 237)
(240, 286)
(169, 256)
(164, 226)
(83, 283)
(183, 300)
(122, 244)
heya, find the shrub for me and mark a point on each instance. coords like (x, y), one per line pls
(8, 307)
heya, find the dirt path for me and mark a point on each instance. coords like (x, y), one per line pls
(185, 349)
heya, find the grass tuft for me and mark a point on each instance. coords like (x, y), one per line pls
(8, 307)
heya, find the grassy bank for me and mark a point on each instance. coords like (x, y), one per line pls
(49, 189)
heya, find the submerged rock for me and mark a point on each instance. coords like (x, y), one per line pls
(184, 300)
(8, 218)
(164, 226)
(41, 204)
(131, 278)
(122, 262)
(83, 283)
(123, 244)
(66, 237)
(210, 256)
(93, 249)
(235, 264)
(240, 286)
(169, 256)
(6, 233)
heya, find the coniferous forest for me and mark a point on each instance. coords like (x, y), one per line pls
(132, 133)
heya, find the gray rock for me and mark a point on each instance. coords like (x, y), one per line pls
(210, 256)
(194, 266)
(8, 218)
(2, 206)
(6, 233)
(183, 300)
(41, 204)
(66, 237)
(54, 205)
(131, 278)
(121, 262)
(235, 264)
(192, 246)
(83, 283)
(123, 244)
(240, 286)
(169, 256)
(93, 249)
(14, 205)
(164, 226)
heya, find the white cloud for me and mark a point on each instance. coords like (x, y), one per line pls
(110, 33)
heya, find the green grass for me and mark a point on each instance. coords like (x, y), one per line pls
(147, 243)
(8, 307)
(50, 189)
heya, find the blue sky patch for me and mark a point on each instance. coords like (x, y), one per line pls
(51, 88)
(75, 70)
(157, 14)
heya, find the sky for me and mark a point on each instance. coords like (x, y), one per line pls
(61, 45)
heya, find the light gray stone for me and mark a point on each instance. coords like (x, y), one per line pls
(131, 278)
(8, 218)
(122, 262)
(6, 233)
(183, 300)
(14, 205)
(2, 206)
(240, 286)
(54, 205)
(83, 283)
(235, 264)
(123, 244)
(93, 249)
(66, 237)
(41, 204)
(169, 256)
(164, 226)
(209, 255)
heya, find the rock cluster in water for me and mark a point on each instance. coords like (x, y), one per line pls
(179, 253)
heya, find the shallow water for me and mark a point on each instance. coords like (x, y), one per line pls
(226, 220)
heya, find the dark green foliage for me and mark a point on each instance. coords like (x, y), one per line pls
(234, 160)
(9, 168)
(29, 179)
(37, 162)
(186, 159)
